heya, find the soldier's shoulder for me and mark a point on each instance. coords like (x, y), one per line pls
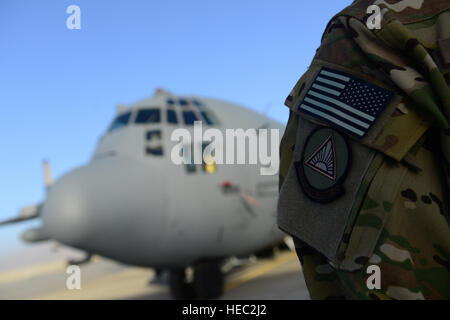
(405, 11)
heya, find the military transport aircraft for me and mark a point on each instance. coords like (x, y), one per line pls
(131, 203)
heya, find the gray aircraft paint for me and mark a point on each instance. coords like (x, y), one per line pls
(144, 210)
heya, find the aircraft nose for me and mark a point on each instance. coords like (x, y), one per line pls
(64, 210)
(108, 207)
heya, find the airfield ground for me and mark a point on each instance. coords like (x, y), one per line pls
(277, 278)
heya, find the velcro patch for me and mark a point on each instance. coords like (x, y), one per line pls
(345, 102)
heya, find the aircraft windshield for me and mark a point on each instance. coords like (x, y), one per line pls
(189, 117)
(207, 118)
(148, 116)
(172, 116)
(120, 121)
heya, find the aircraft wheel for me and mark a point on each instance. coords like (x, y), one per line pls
(208, 280)
(265, 253)
(179, 288)
(283, 247)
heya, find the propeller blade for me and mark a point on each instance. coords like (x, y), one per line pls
(13, 220)
(26, 213)
(48, 178)
(35, 235)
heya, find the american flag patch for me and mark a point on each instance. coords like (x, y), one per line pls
(345, 101)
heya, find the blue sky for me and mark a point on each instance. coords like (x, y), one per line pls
(59, 87)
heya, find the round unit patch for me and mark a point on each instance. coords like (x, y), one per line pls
(324, 164)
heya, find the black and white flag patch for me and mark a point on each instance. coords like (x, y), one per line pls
(344, 101)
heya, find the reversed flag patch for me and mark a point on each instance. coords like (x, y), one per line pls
(345, 101)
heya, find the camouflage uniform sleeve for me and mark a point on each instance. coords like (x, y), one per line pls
(287, 145)
(399, 219)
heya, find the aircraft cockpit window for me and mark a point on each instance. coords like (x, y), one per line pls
(153, 145)
(172, 116)
(189, 117)
(207, 118)
(208, 167)
(148, 116)
(157, 151)
(153, 135)
(120, 121)
(197, 103)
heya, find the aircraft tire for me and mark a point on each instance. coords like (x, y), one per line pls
(208, 280)
(266, 253)
(283, 247)
(179, 288)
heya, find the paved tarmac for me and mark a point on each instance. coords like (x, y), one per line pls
(277, 278)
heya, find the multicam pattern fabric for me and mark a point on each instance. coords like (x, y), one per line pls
(400, 219)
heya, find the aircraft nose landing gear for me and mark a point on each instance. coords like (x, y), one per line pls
(180, 289)
(208, 282)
